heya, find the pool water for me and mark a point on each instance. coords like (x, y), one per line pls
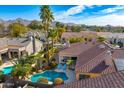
(7, 70)
(50, 75)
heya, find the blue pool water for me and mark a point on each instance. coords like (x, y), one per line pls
(7, 70)
(50, 75)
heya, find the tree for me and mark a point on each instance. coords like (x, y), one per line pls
(1, 62)
(99, 29)
(34, 25)
(21, 71)
(30, 59)
(17, 29)
(53, 36)
(2, 27)
(47, 17)
(75, 28)
(59, 24)
(1, 77)
(60, 30)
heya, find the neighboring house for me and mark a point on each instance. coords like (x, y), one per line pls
(90, 59)
(112, 36)
(108, 35)
(17, 47)
(85, 34)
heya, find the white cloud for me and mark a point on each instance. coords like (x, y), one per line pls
(111, 10)
(74, 10)
(112, 19)
(71, 11)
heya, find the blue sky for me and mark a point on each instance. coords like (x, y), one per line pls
(85, 14)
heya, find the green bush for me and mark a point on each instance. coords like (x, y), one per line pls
(1, 76)
(43, 80)
(75, 40)
(100, 39)
(21, 71)
(1, 62)
(69, 62)
(53, 64)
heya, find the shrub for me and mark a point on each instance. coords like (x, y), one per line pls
(58, 81)
(43, 80)
(75, 40)
(1, 76)
(100, 39)
(1, 62)
(69, 62)
(47, 68)
(53, 64)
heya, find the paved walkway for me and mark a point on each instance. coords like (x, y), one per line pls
(71, 75)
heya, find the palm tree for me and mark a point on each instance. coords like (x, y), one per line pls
(47, 17)
(53, 36)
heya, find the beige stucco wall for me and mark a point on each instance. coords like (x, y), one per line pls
(29, 48)
(39, 46)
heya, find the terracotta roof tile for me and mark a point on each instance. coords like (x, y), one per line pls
(76, 49)
(68, 35)
(113, 80)
(93, 61)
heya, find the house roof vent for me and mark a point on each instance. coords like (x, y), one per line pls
(109, 52)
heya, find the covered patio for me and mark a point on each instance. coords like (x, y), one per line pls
(11, 52)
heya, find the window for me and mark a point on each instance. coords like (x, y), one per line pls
(83, 76)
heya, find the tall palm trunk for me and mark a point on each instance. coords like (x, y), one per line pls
(47, 17)
(52, 46)
(47, 47)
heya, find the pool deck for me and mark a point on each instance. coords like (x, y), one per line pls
(6, 65)
(70, 74)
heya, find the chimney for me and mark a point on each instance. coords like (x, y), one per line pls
(108, 59)
(68, 44)
(32, 39)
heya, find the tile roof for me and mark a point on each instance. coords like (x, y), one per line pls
(112, 80)
(76, 49)
(68, 35)
(13, 42)
(118, 53)
(93, 61)
(89, 57)
(110, 35)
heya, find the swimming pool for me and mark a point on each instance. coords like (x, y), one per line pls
(7, 70)
(50, 75)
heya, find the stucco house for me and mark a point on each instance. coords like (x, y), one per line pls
(114, 37)
(90, 59)
(108, 35)
(16, 47)
(84, 34)
(111, 77)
